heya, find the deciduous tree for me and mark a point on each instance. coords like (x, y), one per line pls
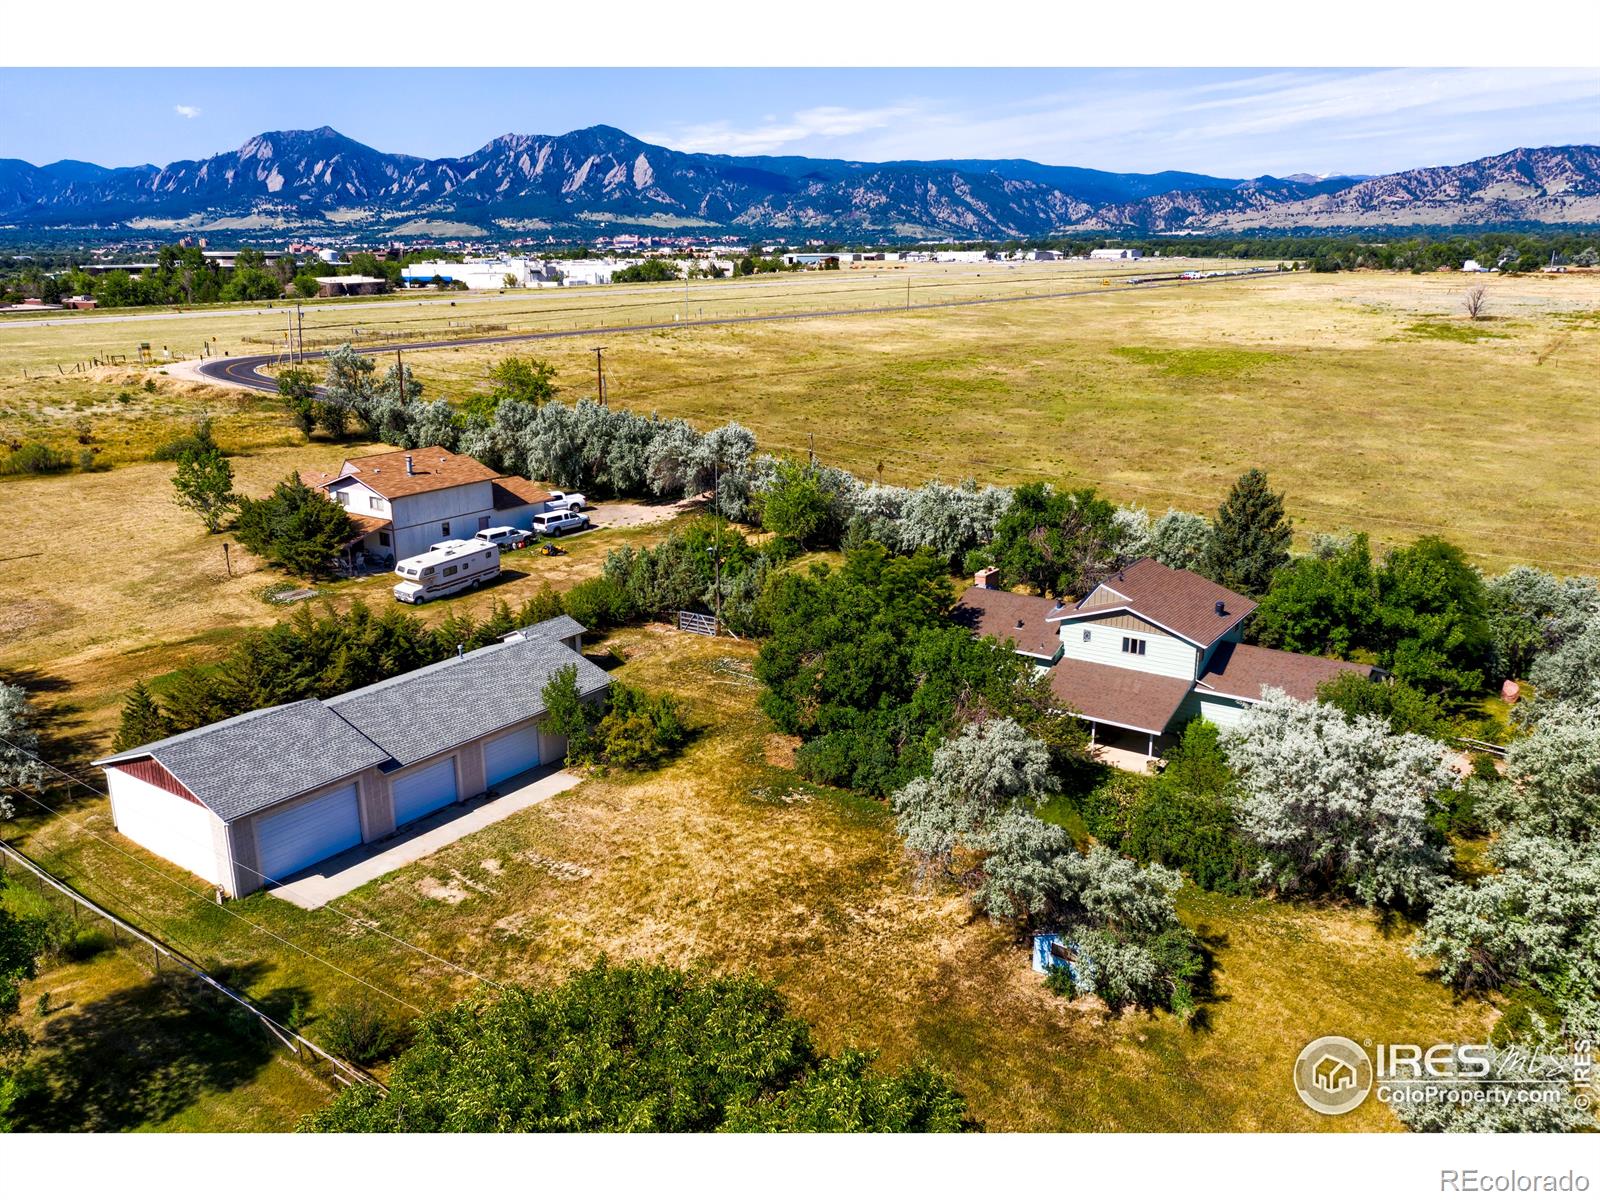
(1339, 804)
(203, 484)
(635, 1049)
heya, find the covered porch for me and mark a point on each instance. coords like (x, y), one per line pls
(1127, 711)
(371, 546)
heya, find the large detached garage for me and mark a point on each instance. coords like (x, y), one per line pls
(259, 798)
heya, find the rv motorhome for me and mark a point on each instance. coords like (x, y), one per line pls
(447, 571)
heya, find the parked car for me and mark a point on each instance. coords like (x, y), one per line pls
(566, 502)
(507, 537)
(552, 524)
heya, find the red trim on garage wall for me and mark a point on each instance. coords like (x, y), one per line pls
(153, 773)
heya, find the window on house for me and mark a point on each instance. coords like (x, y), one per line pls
(383, 538)
(1132, 645)
(444, 529)
(378, 503)
(483, 523)
(342, 499)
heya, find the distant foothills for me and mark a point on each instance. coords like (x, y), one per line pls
(583, 183)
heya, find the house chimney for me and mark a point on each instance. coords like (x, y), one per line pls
(1221, 609)
(410, 467)
(986, 577)
(461, 650)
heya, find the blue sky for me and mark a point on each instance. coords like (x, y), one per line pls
(1225, 122)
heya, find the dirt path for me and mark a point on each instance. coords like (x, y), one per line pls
(620, 514)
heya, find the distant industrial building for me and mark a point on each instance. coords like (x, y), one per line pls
(1116, 252)
(351, 285)
(478, 274)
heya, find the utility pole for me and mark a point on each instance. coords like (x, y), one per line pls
(716, 544)
(300, 333)
(599, 374)
(811, 440)
(399, 377)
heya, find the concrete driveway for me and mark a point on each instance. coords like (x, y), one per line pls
(343, 873)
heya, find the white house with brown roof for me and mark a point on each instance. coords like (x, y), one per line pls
(1147, 650)
(404, 501)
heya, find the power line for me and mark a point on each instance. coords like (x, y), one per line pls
(362, 921)
(212, 900)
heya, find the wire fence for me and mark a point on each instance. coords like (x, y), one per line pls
(161, 954)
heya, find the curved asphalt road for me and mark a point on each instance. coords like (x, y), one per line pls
(245, 370)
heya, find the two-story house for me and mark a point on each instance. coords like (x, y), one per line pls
(404, 501)
(1145, 651)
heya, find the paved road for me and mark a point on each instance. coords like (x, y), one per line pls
(246, 370)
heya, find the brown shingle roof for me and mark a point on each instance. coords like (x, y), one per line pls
(1116, 695)
(990, 612)
(435, 469)
(1181, 601)
(512, 491)
(1239, 670)
(365, 524)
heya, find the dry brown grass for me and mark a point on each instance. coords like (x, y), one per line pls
(724, 859)
(1163, 397)
(107, 581)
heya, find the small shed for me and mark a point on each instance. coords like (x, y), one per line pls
(1052, 952)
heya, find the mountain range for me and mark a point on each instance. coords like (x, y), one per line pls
(600, 179)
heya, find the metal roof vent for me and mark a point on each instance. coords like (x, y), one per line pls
(411, 467)
(1221, 609)
(1019, 622)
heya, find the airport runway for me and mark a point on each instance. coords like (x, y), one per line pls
(245, 371)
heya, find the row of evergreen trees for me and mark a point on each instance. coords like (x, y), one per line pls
(318, 652)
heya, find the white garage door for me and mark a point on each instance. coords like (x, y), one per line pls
(510, 754)
(418, 793)
(307, 833)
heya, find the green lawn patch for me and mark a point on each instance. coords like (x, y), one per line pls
(1188, 364)
(1447, 331)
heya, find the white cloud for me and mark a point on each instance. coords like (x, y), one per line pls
(187, 111)
(1258, 122)
(774, 133)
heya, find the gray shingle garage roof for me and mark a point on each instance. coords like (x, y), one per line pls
(425, 712)
(556, 628)
(250, 762)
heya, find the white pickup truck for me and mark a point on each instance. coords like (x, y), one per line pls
(566, 502)
(558, 521)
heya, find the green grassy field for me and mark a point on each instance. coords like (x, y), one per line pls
(727, 858)
(119, 1046)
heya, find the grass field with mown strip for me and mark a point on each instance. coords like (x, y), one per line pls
(1163, 397)
(727, 858)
